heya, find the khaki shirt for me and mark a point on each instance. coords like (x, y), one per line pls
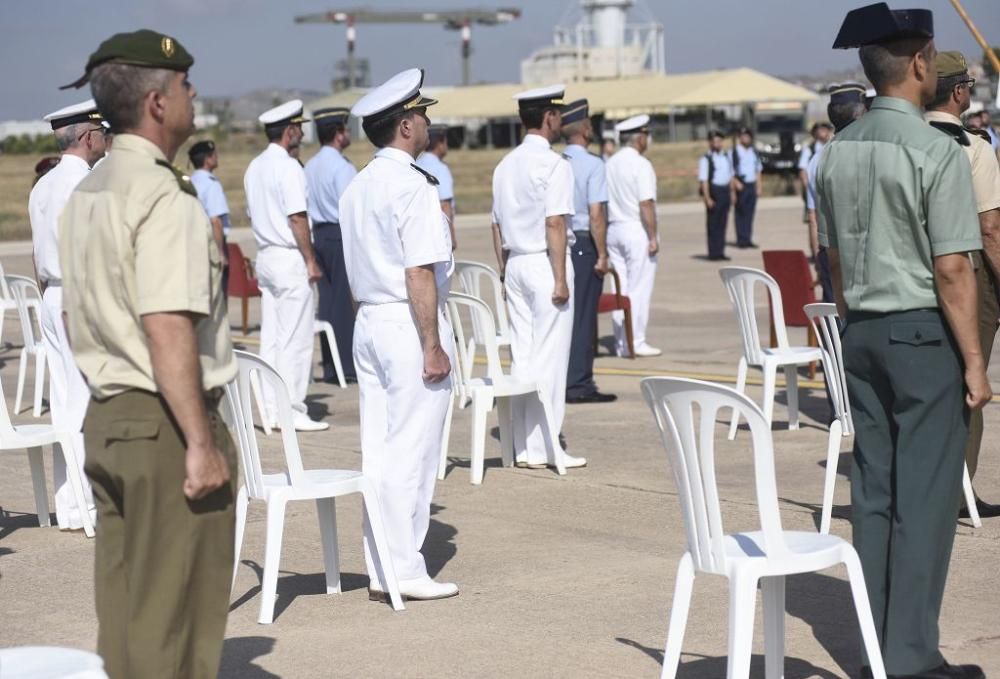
(134, 243)
(985, 168)
(894, 193)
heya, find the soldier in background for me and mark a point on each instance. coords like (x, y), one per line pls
(432, 160)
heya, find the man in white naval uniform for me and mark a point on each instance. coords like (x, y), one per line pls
(398, 254)
(632, 241)
(532, 203)
(275, 186)
(79, 133)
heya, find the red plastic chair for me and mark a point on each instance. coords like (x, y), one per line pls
(790, 268)
(616, 301)
(242, 280)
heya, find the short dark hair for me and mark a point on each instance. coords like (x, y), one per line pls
(274, 132)
(381, 131)
(842, 115)
(327, 133)
(533, 117)
(944, 89)
(198, 159)
(119, 90)
(885, 63)
(715, 134)
(436, 136)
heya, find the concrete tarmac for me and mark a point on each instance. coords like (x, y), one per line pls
(560, 576)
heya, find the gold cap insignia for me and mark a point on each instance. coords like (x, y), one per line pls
(167, 46)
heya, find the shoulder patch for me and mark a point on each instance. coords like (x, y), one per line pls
(183, 181)
(956, 132)
(567, 156)
(431, 179)
(980, 133)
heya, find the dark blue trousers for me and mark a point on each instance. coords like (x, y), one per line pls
(586, 293)
(746, 205)
(335, 303)
(823, 270)
(717, 219)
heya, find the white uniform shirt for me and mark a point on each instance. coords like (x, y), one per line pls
(531, 183)
(45, 204)
(391, 219)
(275, 186)
(631, 180)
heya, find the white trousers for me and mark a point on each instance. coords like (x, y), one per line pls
(68, 399)
(288, 310)
(402, 423)
(628, 250)
(540, 337)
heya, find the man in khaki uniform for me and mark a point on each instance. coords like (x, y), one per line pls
(147, 323)
(954, 94)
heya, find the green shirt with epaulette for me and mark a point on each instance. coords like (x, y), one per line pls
(893, 193)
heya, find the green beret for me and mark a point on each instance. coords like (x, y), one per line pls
(143, 48)
(951, 63)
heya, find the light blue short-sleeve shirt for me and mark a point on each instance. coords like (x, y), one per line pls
(746, 163)
(437, 167)
(722, 168)
(212, 197)
(327, 175)
(590, 184)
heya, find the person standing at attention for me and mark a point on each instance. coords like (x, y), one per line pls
(715, 179)
(748, 184)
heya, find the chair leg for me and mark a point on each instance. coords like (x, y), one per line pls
(39, 486)
(678, 617)
(792, 393)
(482, 401)
(742, 602)
(863, 608)
(326, 509)
(272, 557)
(970, 498)
(338, 367)
(446, 437)
(741, 384)
(812, 341)
(258, 396)
(246, 312)
(69, 453)
(242, 500)
(40, 359)
(21, 371)
(773, 594)
(628, 333)
(506, 433)
(832, 458)
(770, 377)
(382, 555)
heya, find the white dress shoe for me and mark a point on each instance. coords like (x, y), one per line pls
(303, 423)
(418, 589)
(646, 350)
(572, 462)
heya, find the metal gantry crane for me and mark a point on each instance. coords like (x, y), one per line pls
(453, 20)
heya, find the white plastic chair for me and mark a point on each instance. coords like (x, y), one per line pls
(686, 412)
(50, 662)
(28, 301)
(325, 329)
(7, 302)
(496, 385)
(474, 279)
(32, 437)
(295, 483)
(823, 317)
(741, 283)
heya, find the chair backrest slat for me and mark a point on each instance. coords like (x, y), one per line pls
(826, 325)
(479, 313)
(741, 284)
(27, 297)
(475, 279)
(686, 413)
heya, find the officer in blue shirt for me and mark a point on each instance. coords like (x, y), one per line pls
(746, 168)
(590, 252)
(327, 175)
(204, 159)
(715, 177)
(432, 160)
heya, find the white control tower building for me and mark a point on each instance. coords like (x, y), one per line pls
(601, 44)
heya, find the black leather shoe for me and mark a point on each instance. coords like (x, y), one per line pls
(945, 671)
(744, 246)
(986, 510)
(593, 397)
(720, 258)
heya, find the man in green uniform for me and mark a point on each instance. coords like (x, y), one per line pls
(147, 323)
(897, 213)
(953, 97)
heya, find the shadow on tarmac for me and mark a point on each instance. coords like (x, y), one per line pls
(238, 655)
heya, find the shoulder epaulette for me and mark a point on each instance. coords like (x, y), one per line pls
(979, 133)
(183, 180)
(567, 156)
(956, 132)
(431, 179)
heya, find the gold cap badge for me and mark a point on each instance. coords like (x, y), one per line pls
(167, 46)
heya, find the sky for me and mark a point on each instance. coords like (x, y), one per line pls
(241, 45)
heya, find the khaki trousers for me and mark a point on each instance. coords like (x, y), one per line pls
(163, 564)
(989, 312)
